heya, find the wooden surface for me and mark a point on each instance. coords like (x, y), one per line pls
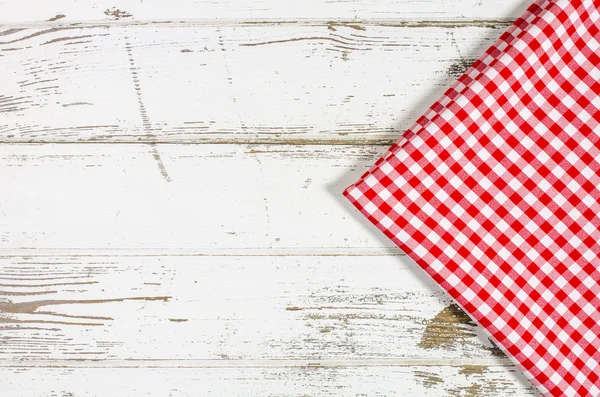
(171, 213)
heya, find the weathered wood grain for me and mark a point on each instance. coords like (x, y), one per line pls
(217, 199)
(283, 381)
(13, 11)
(195, 308)
(266, 318)
(240, 83)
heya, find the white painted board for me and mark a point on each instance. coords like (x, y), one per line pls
(189, 309)
(193, 83)
(183, 198)
(22, 11)
(382, 381)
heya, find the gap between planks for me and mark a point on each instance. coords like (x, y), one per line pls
(382, 141)
(275, 363)
(384, 22)
(173, 252)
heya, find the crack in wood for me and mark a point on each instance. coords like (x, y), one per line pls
(144, 114)
(59, 39)
(36, 34)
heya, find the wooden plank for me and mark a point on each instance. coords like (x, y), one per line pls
(233, 382)
(217, 199)
(275, 83)
(12, 11)
(199, 310)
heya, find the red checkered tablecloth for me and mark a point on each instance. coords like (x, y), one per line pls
(494, 192)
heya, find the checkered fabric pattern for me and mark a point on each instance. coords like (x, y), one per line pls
(494, 192)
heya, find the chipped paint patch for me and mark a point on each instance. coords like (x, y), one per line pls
(448, 329)
(56, 17)
(7, 306)
(331, 25)
(116, 13)
(59, 39)
(472, 370)
(76, 104)
(459, 67)
(428, 379)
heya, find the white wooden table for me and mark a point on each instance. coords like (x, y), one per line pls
(171, 219)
